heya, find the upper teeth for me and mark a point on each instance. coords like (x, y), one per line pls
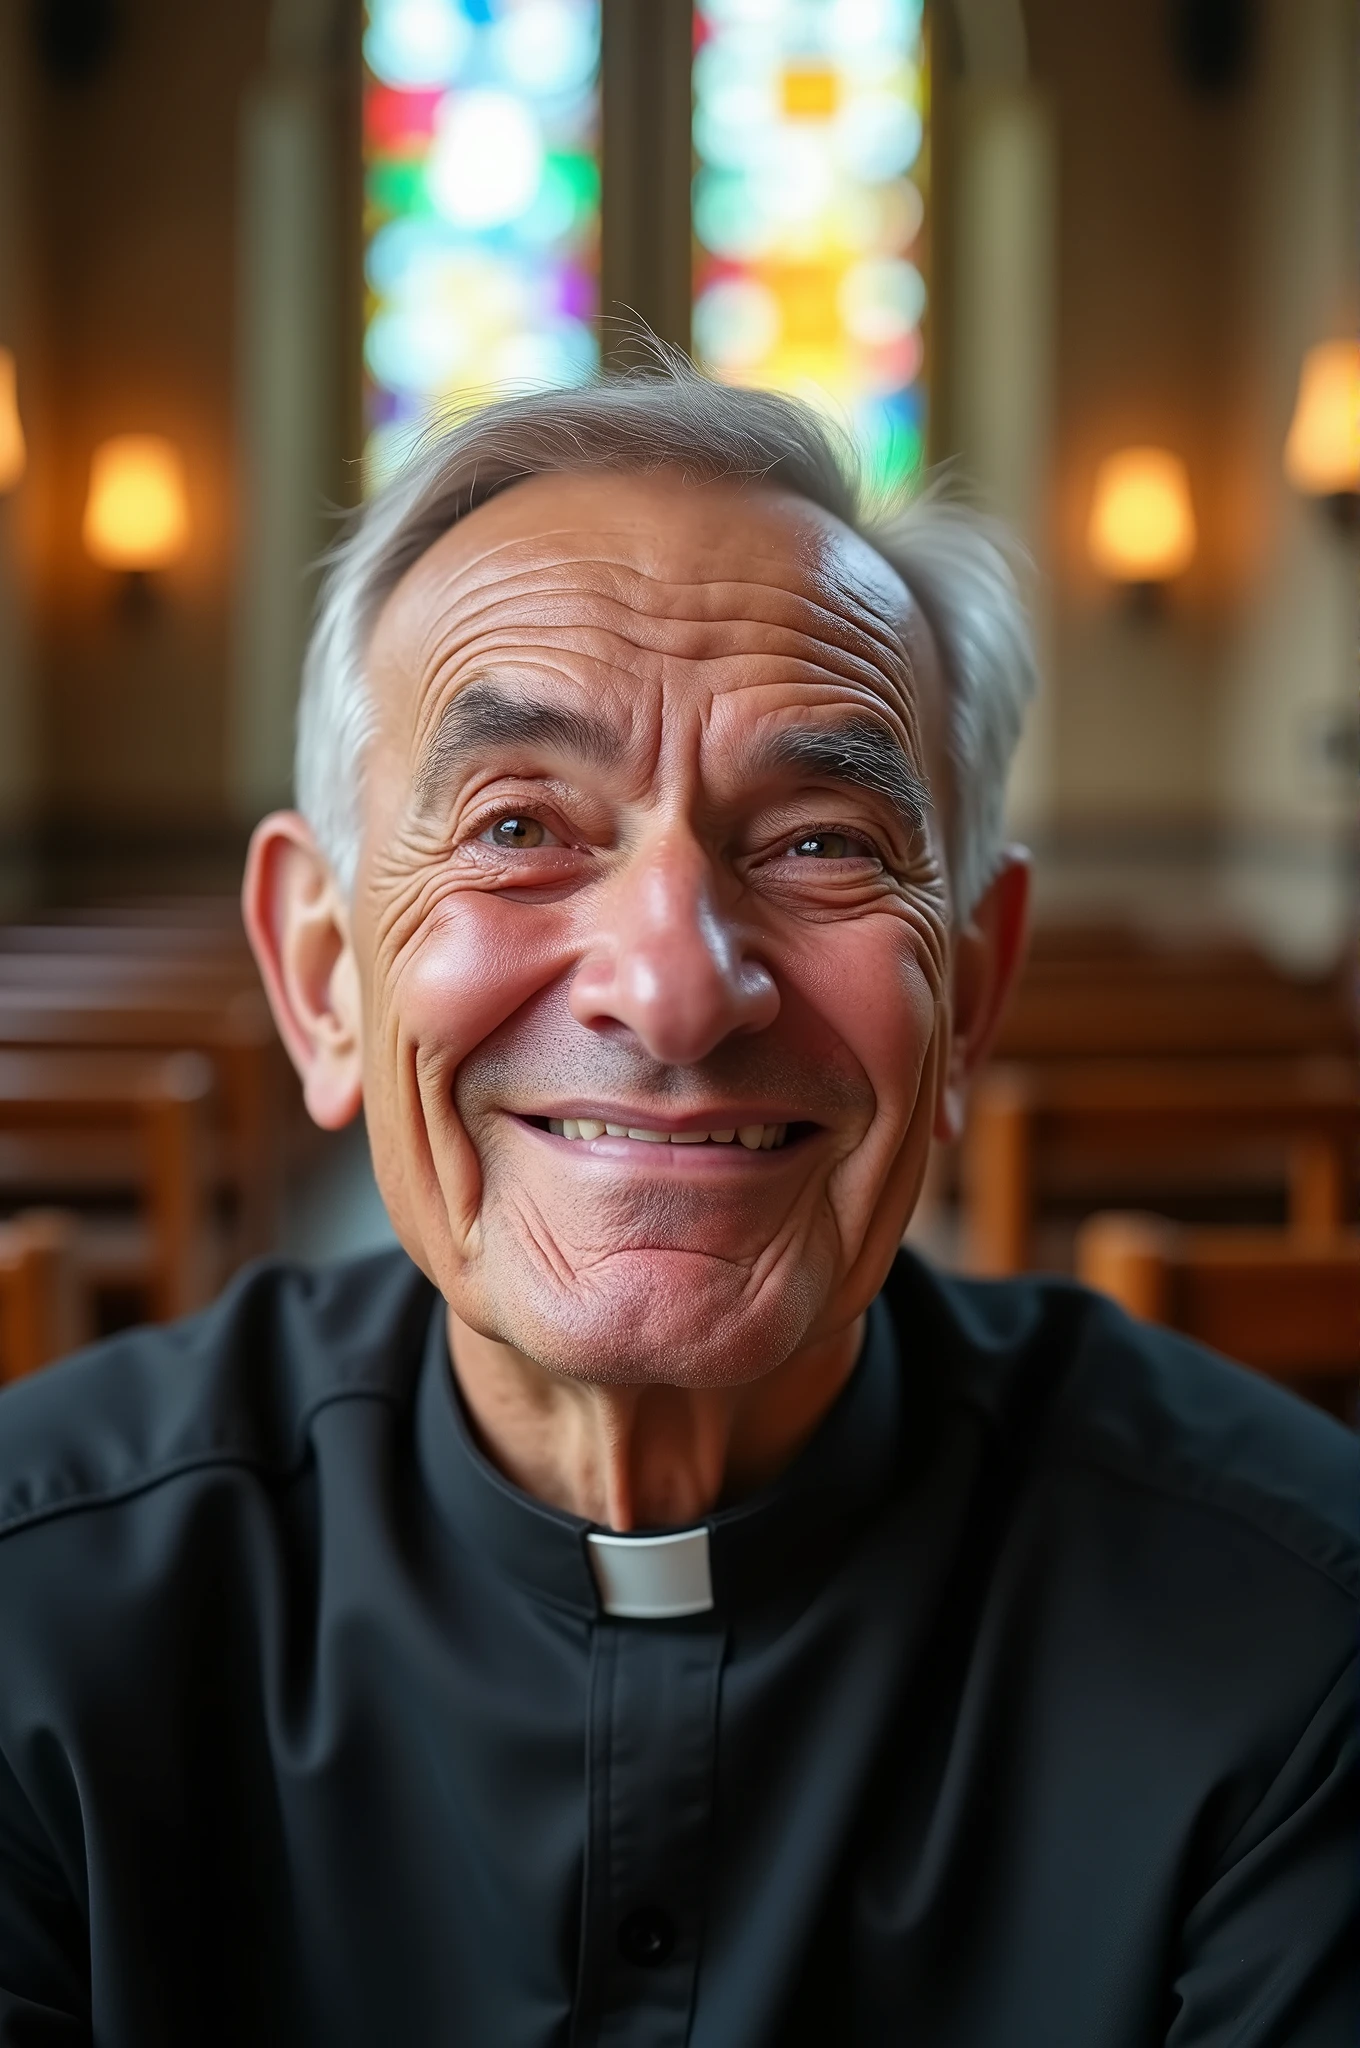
(755, 1137)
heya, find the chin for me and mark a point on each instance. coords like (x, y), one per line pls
(654, 1317)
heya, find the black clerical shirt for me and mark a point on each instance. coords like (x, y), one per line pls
(1024, 1711)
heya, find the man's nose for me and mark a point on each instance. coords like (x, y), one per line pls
(669, 964)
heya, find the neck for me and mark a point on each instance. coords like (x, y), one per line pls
(643, 1457)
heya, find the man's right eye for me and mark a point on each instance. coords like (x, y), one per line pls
(516, 833)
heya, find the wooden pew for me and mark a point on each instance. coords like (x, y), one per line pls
(1092, 993)
(157, 975)
(44, 1311)
(159, 978)
(98, 1126)
(216, 918)
(1100, 993)
(138, 942)
(1285, 1303)
(209, 928)
(255, 1102)
(1191, 1120)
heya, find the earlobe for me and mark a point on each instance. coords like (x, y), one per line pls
(298, 925)
(989, 951)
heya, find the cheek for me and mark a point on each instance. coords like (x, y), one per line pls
(471, 963)
(475, 961)
(875, 982)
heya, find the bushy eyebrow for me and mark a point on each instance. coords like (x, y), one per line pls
(488, 714)
(858, 752)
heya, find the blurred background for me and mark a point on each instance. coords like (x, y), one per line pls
(1098, 261)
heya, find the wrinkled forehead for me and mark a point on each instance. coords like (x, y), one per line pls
(695, 571)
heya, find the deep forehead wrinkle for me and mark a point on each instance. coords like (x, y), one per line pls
(810, 593)
(558, 628)
(859, 752)
(487, 714)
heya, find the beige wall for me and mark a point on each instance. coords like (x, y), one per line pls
(999, 393)
(187, 215)
(1149, 183)
(1201, 245)
(298, 385)
(130, 186)
(1284, 742)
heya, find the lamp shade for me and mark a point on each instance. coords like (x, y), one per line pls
(13, 454)
(1142, 525)
(1322, 453)
(136, 514)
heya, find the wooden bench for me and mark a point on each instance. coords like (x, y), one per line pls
(1204, 1121)
(139, 939)
(1285, 1303)
(217, 919)
(1109, 994)
(157, 978)
(157, 975)
(98, 1127)
(230, 1027)
(43, 1303)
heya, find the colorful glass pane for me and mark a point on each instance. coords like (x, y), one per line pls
(810, 128)
(482, 205)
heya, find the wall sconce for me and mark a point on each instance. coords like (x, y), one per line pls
(13, 453)
(1322, 453)
(1142, 526)
(137, 513)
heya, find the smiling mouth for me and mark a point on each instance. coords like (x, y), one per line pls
(751, 1137)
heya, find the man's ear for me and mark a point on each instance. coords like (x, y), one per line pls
(298, 924)
(988, 953)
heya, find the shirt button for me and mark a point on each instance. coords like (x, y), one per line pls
(646, 1937)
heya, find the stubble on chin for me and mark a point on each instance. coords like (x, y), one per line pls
(641, 1316)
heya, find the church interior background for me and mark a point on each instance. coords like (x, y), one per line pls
(1098, 263)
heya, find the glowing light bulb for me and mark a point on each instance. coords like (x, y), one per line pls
(136, 514)
(1322, 454)
(1142, 526)
(13, 454)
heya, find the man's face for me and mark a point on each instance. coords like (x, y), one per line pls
(648, 849)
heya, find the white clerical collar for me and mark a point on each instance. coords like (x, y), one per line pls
(652, 1578)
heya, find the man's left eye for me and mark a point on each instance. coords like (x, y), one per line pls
(831, 846)
(517, 833)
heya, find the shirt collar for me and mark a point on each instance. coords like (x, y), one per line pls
(776, 1545)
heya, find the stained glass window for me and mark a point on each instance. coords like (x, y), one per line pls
(482, 204)
(810, 132)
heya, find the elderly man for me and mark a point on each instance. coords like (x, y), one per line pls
(648, 1608)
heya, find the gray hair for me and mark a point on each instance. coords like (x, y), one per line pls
(958, 565)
